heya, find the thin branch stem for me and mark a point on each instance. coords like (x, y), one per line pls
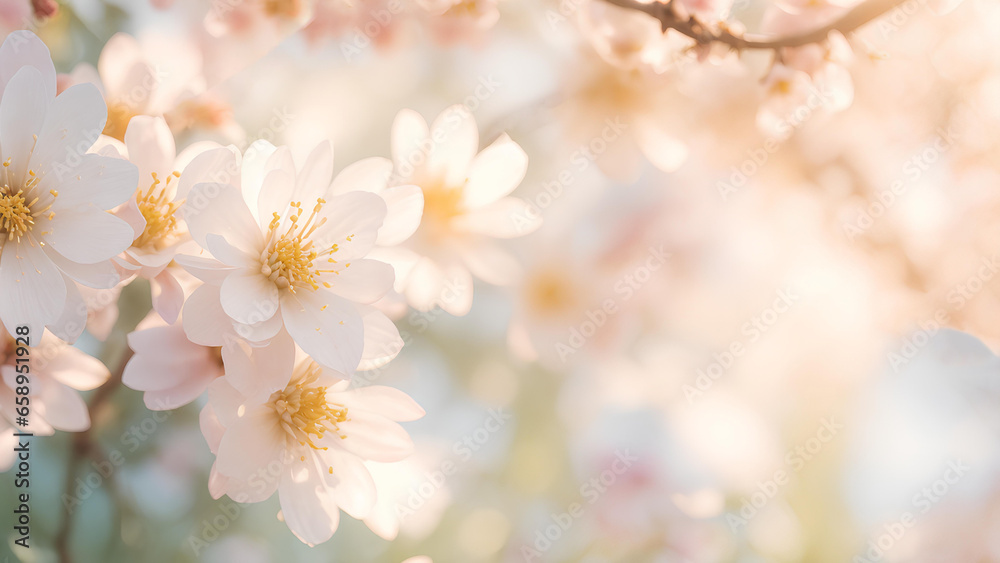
(84, 446)
(691, 27)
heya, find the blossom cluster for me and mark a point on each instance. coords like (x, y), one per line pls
(735, 211)
(270, 280)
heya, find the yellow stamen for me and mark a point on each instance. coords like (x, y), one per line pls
(289, 254)
(17, 214)
(283, 8)
(158, 210)
(305, 412)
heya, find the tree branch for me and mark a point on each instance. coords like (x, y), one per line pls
(84, 445)
(691, 27)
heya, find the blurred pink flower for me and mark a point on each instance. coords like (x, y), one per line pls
(301, 432)
(52, 205)
(171, 370)
(142, 77)
(287, 258)
(160, 231)
(451, 21)
(58, 371)
(263, 17)
(466, 204)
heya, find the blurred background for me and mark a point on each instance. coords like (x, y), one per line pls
(767, 339)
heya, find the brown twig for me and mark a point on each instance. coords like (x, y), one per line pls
(705, 35)
(83, 446)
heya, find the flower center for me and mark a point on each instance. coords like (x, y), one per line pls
(17, 214)
(550, 292)
(306, 414)
(464, 8)
(782, 87)
(288, 258)
(283, 8)
(119, 114)
(158, 210)
(441, 205)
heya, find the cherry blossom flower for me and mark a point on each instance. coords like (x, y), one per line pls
(625, 105)
(404, 209)
(285, 424)
(550, 299)
(15, 15)
(627, 39)
(452, 21)
(331, 18)
(57, 372)
(101, 309)
(164, 181)
(466, 205)
(271, 17)
(809, 77)
(291, 254)
(52, 203)
(169, 369)
(146, 76)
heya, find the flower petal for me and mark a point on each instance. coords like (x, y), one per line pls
(203, 319)
(490, 263)
(85, 234)
(74, 368)
(179, 395)
(208, 270)
(313, 180)
(382, 340)
(216, 166)
(103, 181)
(455, 140)
(22, 112)
(385, 401)
(275, 195)
(352, 223)
(23, 48)
(353, 489)
(73, 320)
(327, 327)
(258, 372)
(366, 175)
(509, 217)
(405, 208)
(409, 130)
(361, 281)
(249, 297)
(163, 357)
(62, 407)
(495, 173)
(311, 514)
(150, 147)
(99, 275)
(168, 296)
(373, 437)
(220, 209)
(34, 290)
(254, 441)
